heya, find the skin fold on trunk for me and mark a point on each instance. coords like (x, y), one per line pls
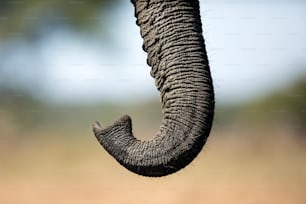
(172, 34)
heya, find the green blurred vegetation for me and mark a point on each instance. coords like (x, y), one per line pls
(20, 112)
(283, 109)
(29, 18)
(287, 106)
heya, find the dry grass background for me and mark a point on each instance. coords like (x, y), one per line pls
(255, 155)
(235, 167)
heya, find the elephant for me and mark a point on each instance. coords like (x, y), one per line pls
(173, 39)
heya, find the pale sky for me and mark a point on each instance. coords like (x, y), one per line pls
(253, 49)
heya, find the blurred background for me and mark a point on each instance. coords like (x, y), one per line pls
(65, 64)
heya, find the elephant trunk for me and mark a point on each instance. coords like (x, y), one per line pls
(172, 33)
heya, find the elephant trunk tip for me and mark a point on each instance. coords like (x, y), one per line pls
(96, 127)
(123, 125)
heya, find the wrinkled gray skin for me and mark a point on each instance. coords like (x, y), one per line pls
(172, 34)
